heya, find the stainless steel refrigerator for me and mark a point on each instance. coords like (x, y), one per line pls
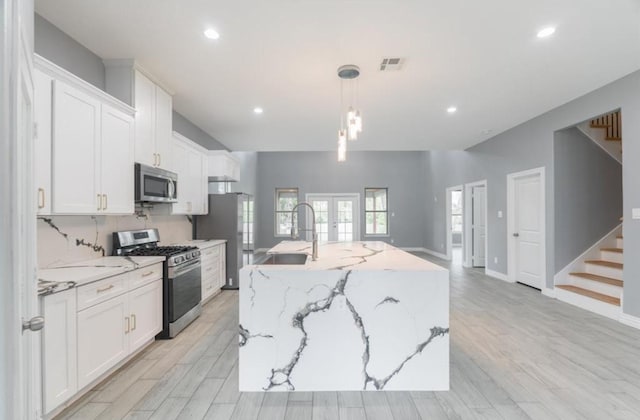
(230, 217)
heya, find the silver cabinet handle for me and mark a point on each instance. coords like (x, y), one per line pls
(147, 274)
(128, 327)
(105, 201)
(133, 322)
(515, 235)
(159, 159)
(99, 202)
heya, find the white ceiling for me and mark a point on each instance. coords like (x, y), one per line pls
(481, 56)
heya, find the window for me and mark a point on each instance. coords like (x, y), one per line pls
(456, 211)
(375, 211)
(286, 199)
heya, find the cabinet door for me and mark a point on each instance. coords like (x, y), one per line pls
(76, 122)
(60, 378)
(145, 104)
(117, 154)
(195, 184)
(145, 305)
(163, 127)
(180, 165)
(204, 182)
(103, 338)
(43, 97)
(222, 274)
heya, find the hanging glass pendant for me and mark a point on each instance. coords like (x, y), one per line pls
(342, 145)
(358, 118)
(352, 129)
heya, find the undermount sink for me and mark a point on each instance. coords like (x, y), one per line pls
(285, 259)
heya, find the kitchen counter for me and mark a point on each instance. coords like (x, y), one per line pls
(364, 316)
(202, 243)
(83, 272)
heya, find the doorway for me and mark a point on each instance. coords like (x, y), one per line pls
(454, 225)
(526, 232)
(476, 224)
(337, 216)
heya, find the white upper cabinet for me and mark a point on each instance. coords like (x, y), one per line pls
(116, 152)
(76, 133)
(43, 97)
(190, 163)
(223, 166)
(84, 146)
(154, 110)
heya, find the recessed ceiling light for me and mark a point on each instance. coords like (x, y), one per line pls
(258, 110)
(211, 34)
(452, 109)
(545, 32)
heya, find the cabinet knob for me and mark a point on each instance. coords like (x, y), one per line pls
(34, 324)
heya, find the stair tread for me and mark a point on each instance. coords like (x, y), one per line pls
(601, 279)
(617, 250)
(589, 293)
(619, 237)
(609, 264)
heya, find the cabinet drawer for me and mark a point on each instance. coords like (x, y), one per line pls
(213, 251)
(210, 270)
(145, 275)
(101, 290)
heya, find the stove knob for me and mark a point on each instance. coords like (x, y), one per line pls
(187, 256)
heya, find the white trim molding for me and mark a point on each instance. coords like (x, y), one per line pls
(630, 320)
(435, 253)
(448, 227)
(467, 227)
(497, 275)
(549, 292)
(511, 254)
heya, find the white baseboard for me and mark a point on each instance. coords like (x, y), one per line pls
(413, 249)
(497, 275)
(435, 254)
(630, 320)
(549, 292)
(260, 250)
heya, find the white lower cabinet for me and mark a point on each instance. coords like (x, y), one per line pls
(92, 328)
(102, 340)
(60, 378)
(213, 269)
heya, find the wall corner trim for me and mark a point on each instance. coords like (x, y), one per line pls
(630, 320)
(549, 292)
(497, 275)
(435, 253)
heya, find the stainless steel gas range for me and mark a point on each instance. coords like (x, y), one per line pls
(182, 281)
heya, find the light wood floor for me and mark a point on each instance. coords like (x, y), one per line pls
(515, 354)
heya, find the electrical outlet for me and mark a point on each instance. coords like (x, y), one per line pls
(495, 260)
(393, 214)
(499, 214)
(392, 240)
(435, 198)
(635, 213)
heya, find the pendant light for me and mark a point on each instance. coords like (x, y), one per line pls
(348, 73)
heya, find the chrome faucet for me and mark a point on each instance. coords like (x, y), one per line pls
(314, 234)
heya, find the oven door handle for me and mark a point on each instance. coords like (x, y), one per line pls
(185, 268)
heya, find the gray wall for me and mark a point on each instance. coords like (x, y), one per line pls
(195, 133)
(248, 173)
(588, 194)
(319, 172)
(528, 146)
(60, 48)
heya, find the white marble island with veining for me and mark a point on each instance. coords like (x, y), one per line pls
(363, 316)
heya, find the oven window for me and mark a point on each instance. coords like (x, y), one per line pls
(155, 187)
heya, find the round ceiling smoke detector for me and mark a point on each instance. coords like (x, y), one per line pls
(348, 71)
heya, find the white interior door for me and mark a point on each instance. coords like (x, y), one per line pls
(478, 225)
(527, 230)
(337, 217)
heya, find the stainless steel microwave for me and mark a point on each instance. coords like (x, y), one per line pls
(155, 184)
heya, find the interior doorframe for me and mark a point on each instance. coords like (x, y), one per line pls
(511, 242)
(449, 238)
(356, 210)
(467, 238)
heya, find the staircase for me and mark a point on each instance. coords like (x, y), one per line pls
(606, 132)
(595, 282)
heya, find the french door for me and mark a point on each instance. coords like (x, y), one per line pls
(337, 216)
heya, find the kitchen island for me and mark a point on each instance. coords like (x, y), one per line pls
(363, 316)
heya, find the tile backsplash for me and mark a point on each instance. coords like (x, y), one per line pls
(67, 239)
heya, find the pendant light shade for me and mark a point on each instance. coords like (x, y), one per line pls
(342, 145)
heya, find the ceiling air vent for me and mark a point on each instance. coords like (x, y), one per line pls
(391, 64)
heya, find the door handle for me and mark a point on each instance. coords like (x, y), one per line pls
(34, 324)
(515, 235)
(40, 198)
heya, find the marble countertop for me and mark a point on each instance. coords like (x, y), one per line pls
(83, 272)
(202, 243)
(350, 256)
